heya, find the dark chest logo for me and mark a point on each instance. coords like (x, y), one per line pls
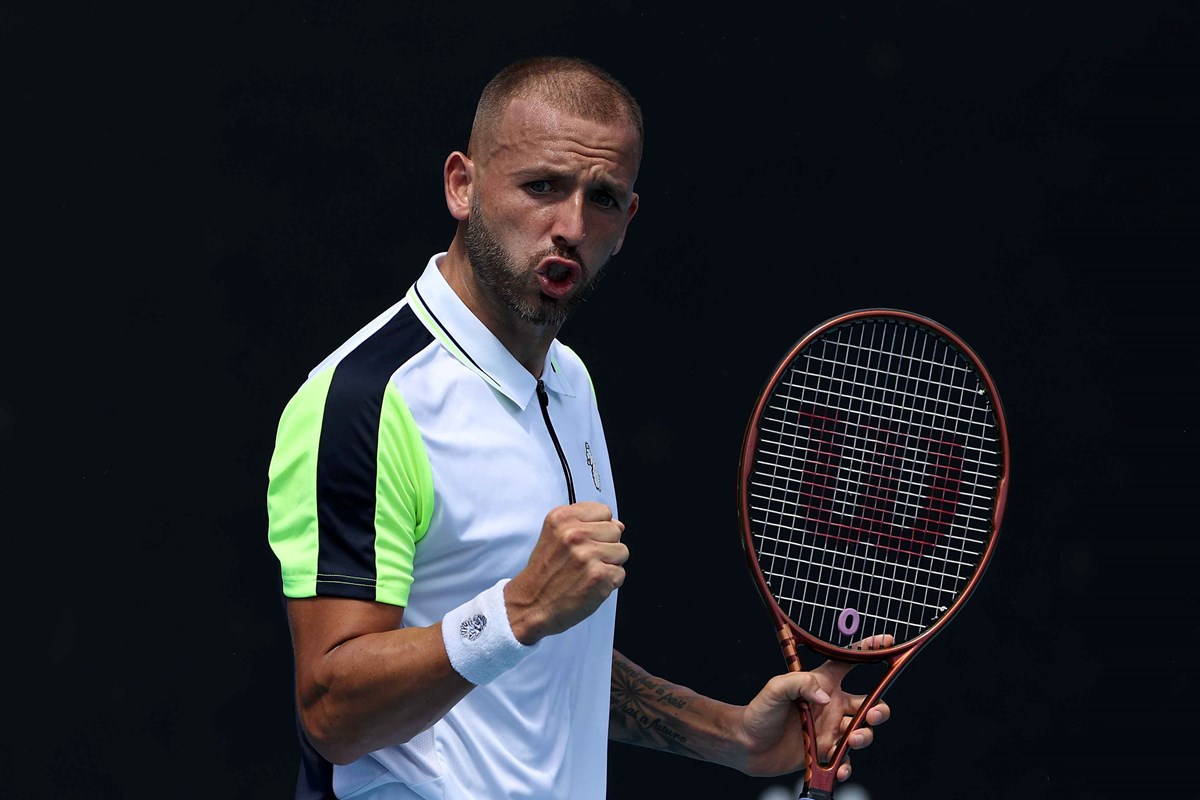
(587, 449)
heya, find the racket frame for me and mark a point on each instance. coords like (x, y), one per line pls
(820, 776)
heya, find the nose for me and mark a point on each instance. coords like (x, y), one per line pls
(570, 227)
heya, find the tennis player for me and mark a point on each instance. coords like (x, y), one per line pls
(441, 500)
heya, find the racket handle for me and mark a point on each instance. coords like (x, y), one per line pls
(788, 643)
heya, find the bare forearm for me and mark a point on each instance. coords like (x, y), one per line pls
(650, 712)
(378, 690)
(363, 681)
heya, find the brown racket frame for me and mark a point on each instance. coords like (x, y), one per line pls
(820, 777)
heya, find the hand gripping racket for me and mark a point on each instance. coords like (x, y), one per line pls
(873, 478)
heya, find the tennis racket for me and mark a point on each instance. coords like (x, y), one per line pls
(873, 478)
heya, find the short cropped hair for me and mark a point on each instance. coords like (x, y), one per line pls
(571, 84)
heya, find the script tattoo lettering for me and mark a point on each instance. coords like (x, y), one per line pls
(641, 711)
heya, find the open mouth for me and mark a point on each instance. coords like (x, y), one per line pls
(558, 277)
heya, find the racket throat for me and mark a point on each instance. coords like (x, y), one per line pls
(787, 643)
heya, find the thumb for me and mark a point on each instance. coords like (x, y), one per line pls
(836, 670)
(792, 686)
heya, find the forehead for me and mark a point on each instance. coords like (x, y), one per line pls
(532, 131)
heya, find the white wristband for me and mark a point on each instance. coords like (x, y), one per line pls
(479, 639)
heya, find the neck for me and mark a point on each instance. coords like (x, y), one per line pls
(528, 342)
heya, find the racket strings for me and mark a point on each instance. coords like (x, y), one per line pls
(979, 453)
(858, 471)
(873, 481)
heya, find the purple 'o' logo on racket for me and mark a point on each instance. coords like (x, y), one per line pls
(848, 621)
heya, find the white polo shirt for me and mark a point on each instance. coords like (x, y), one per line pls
(415, 467)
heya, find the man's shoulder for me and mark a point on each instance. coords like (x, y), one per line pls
(382, 345)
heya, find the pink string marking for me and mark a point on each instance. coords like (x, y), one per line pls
(875, 512)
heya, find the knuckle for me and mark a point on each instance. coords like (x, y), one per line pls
(555, 521)
(597, 573)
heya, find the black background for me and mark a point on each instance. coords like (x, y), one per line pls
(203, 200)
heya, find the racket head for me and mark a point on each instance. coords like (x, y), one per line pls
(873, 478)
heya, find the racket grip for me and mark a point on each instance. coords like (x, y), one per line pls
(788, 644)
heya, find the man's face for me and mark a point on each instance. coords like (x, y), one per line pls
(550, 202)
(511, 282)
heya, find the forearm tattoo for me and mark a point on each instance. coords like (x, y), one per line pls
(645, 711)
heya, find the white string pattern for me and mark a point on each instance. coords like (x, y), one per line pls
(874, 478)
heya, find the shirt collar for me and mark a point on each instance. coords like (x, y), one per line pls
(466, 338)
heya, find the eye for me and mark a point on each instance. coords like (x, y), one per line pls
(604, 200)
(540, 186)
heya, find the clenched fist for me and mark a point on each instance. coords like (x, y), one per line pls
(574, 567)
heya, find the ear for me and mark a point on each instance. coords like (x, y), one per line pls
(633, 207)
(457, 177)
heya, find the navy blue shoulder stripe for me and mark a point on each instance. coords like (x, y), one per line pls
(347, 455)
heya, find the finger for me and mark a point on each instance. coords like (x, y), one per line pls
(601, 531)
(879, 713)
(577, 516)
(602, 578)
(876, 642)
(615, 553)
(863, 737)
(876, 715)
(838, 669)
(618, 578)
(844, 770)
(590, 511)
(792, 686)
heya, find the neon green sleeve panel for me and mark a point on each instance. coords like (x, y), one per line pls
(323, 553)
(403, 498)
(292, 488)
